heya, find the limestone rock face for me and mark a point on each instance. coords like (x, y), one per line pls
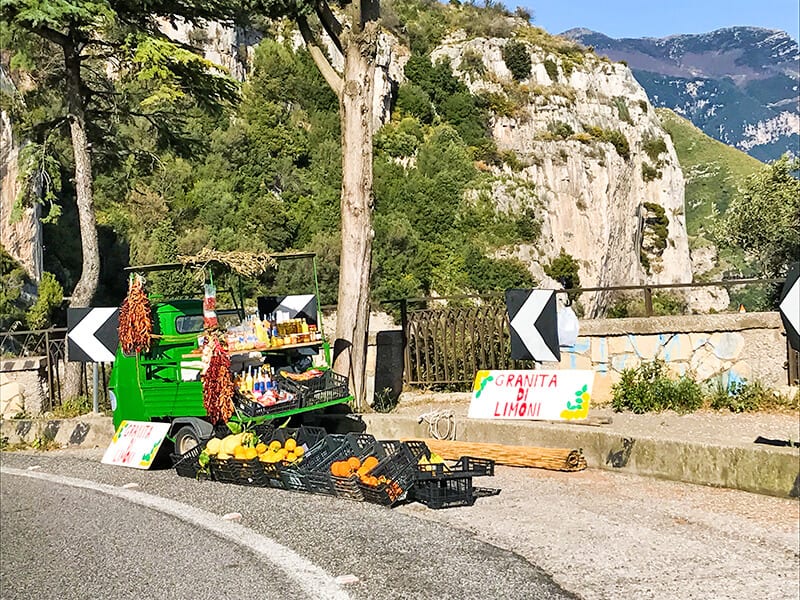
(20, 235)
(594, 202)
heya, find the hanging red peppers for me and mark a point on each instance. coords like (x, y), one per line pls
(218, 386)
(135, 318)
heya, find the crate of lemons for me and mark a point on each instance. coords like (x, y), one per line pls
(244, 458)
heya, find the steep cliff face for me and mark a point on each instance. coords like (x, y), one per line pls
(599, 202)
(20, 234)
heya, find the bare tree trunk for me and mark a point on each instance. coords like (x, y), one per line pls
(352, 319)
(90, 268)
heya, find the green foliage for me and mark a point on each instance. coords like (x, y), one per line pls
(560, 129)
(648, 388)
(613, 137)
(622, 110)
(50, 297)
(12, 303)
(643, 105)
(472, 63)
(414, 101)
(749, 396)
(654, 147)
(765, 220)
(658, 222)
(552, 70)
(664, 304)
(73, 407)
(649, 172)
(565, 270)
(518, 59)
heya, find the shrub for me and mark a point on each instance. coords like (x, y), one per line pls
(649, 172)
(622, 110)
(564, 269)
(748, 396)
(472, 63)
(654, 147)
(414, 101)
(648, 388)
(560, 129)
(613, 137)
(517, 59)
(643, 105)
(552, 70)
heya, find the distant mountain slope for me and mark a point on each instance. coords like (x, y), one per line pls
(739, 84)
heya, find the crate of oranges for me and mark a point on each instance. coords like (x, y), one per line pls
(345, 474)
(389, 481)
(312, 474)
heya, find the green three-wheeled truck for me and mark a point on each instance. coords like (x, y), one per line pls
(163, 384)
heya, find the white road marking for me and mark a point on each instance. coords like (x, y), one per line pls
(314, 581)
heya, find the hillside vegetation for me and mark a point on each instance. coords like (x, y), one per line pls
(715, 174)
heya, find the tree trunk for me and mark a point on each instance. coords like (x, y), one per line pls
(352, 321)
(90, 268)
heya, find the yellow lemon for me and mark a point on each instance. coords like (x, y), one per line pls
(291, 457)
(250, 453)
(290, 444)
(261, 448)
(299, 451)
(274, 445)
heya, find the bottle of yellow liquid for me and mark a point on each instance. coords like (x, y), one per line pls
(248, 381)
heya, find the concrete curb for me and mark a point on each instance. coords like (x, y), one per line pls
(87, 431)
(774, 471)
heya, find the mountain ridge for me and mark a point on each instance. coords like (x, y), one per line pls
(738, 84)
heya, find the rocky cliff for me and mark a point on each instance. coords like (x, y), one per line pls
(617, 206)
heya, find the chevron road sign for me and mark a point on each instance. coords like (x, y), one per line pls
(534, 325)
(790, 306)
(92, 334)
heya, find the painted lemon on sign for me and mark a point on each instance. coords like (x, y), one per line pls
(482, 378)
(579, 407)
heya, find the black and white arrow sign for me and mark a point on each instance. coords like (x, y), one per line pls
(790, 306)
(534, 325)
(92, 334)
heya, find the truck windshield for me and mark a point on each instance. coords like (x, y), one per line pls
(189, 324)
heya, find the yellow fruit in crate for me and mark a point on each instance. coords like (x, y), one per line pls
(291, 457)
(436, 459)
(282, 454)
(261, 448)
(299, 451)
(290, 444)
(223, 456)
(264, 457)
(274, 445)
(239, 453)
(272, 457)
(250, 453)
(213, 445)
(229, 443)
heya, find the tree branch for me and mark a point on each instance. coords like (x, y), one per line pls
(328, 72)
(330, 23)
(52, 35)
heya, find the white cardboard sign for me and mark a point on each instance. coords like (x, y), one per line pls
(553, 395)
(135, 444)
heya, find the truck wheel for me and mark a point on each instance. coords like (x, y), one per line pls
(185, 439)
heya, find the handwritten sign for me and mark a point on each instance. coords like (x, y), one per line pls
(559, 395)
(135, 444)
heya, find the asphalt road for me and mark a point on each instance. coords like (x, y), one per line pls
(166, 539)
(597, 534)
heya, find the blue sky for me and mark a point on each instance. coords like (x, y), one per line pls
(642, 18)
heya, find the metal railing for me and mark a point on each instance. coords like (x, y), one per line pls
(50, 344)
(449, 338)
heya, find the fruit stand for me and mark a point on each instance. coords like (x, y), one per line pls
(198, 365)
(355, 466)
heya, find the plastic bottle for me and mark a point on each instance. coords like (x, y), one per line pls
(248, 381)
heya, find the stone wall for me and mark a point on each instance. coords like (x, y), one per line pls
(23, 385)
(730, 347)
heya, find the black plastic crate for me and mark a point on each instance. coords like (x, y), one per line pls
(399, 468)
(347, 487)
(305, 436)
(446, 492)
(312, 474)
(326, 387)
(466, 465)
(240, 472)
(254, 409)
(187, 464)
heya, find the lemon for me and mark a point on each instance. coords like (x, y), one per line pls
(290, 444)
(274, 445)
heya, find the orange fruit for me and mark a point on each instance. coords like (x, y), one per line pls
(370, 463)
(354, 463)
